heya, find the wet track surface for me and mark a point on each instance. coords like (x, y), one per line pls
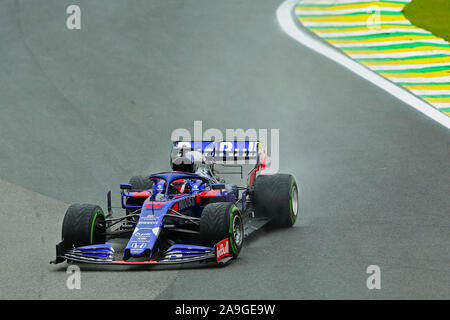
(82, 111)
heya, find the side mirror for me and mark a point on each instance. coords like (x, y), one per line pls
(125, 186)
(217, 186)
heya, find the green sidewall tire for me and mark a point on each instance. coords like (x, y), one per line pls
(81, 225)
(216, 224)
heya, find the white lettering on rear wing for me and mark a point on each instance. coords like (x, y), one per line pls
(224, 152)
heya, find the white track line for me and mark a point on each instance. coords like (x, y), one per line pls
(397, 67)
(431, 92)
(302, 12)
(421, 80)
(287, 23)
(441, 105)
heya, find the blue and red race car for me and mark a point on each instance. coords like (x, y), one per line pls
(189, 214)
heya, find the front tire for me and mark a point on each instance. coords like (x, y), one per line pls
(276, 197)
(83, 224)
(219, 221)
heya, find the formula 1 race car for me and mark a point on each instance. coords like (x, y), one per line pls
(189, 214)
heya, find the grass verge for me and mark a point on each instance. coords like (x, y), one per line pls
(431, 15)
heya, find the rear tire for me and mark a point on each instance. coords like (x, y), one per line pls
(276, 197)
(219, 221)
(141, 182)
(138, 183)
(83, 224)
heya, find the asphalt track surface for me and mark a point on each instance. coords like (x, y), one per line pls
(82, 111)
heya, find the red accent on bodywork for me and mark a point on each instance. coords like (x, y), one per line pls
(210, 193)
(178, 184)
(252, 177)
(175, 207)
(262, 160)
(259, 167)
(141, 194)
(154, 205)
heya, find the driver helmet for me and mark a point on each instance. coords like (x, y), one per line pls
(158, 187)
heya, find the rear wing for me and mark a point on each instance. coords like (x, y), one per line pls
(224, 153)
